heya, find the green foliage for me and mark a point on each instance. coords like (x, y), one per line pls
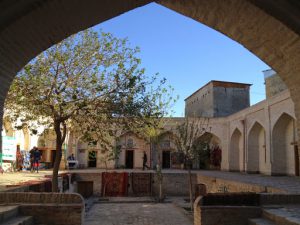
(202, 150)
(88, 75)
(92, 83)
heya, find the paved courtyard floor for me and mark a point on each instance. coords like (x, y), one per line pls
(136, 214)
(13, 178)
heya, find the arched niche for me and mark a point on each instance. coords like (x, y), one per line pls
(164, 151)
(283, 143)
(257, 156)
(132, 150)
(235, 151)
(209, 148)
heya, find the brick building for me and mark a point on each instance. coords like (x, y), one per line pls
(258, 139)
(218, 99)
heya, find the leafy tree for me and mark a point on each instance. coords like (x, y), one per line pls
(90, 82)
(203, 149)
(186, 135)
(154, 133)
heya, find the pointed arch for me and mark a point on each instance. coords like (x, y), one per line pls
(235, 151)
(167, 140)
(133, 146)
(256, 150)
(283, 114)
(210, 138)
(211, 159)
(283, 137)
(163, 150)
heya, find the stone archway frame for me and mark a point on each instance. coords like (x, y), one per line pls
(264, 28)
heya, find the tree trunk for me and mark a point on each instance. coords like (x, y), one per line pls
(160, 175)
(190, 187)
(59, 142)
(160, 191)
(105, 183)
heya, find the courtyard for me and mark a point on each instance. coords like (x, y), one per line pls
(136, 213)
(257, 142)
(145, 210)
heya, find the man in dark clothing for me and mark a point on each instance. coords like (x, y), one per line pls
(145, 161)
(31, 152)
(71, 157)
(36, 159)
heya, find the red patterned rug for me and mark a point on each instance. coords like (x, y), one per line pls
(114, 184)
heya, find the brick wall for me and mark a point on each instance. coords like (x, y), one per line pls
(174, 184)
(48, 208)
(95, 177)
(225, 215)
(226, 209)
(274, 85)
(53, 214)
(236, 208)
(215, 185)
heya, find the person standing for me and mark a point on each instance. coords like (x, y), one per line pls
(31, 155)
(71, 157)
(145, 161)
(19, 161)
(36, 159)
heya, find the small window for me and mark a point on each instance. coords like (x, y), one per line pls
(130, 143)
(166, 144)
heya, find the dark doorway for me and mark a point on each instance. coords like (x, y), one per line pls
(166, 159)
(92, 160)
(129, 159)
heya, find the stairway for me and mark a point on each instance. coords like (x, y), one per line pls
(9, 215)
(287, 215)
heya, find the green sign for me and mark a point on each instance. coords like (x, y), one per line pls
(9, 147)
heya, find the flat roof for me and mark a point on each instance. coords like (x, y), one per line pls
(219, 83)
(269, 73)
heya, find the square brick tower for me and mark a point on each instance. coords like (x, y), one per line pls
(218, 99)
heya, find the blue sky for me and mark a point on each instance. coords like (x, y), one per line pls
(187, 53)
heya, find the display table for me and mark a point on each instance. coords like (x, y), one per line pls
(72, 164)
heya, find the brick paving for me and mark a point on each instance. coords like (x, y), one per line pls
(291, 213)
(136, 214)
(14, 178)
(122, 212)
